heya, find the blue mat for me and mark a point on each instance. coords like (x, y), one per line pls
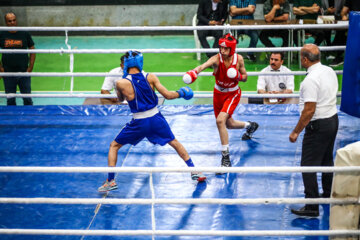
(80, 136)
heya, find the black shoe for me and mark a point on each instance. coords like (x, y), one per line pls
(225, 162)
(250, 130)
(305, 212)
(251, 57)
(337, 62)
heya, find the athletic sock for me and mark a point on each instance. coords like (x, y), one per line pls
(225, 147)
(247, 124)
(111, 176)
(189, 163)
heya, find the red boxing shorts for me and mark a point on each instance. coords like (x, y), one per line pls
(226, 101)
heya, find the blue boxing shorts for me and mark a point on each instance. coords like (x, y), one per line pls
(155, 129)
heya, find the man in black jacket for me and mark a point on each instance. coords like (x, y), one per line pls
(211, 13)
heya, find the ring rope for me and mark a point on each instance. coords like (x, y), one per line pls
(342, 25)
(196, 95)
(159, 74)
(279, 169)
(251, 233)
(146, 201)
(165, 50)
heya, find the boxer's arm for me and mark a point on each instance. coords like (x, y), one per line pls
(155, 82)
(242, 69)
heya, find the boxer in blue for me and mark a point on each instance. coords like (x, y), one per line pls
(137, 87)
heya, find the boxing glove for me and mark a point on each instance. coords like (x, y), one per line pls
(185, 92)
(233, 73)
(190, 77)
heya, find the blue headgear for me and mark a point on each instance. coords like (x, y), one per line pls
(133, 61)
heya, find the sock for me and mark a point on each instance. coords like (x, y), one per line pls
(247, 124)
(225, 150)
(189, 163)
(111, 176)
(225, 147)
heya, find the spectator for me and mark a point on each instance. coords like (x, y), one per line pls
(274, 84)
(328, 9)
(19, 62)
(275, 10)
(110, 83)
(211, 13)
(244, 9)
(341, 35)
(308, 10)
(320, 119)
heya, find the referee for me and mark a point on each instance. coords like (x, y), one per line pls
(317, 106)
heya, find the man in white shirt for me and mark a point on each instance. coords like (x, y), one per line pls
(110, 84)
(276, 84)
(317, 106)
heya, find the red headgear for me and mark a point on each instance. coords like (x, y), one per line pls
(228, 41)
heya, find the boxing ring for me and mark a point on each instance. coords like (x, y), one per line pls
(243, 202)
(54, 158)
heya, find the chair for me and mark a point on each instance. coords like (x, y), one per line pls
(196, 38)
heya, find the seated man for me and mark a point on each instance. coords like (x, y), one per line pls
(308, 10)
(211, 13)
(110, 84)
(275, 10)
(244, 9)
(276, 84)
(341, 35)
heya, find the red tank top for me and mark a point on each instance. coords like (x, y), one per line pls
(221, 77)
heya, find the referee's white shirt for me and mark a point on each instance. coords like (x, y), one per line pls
(320, 86)
(110, 82)
(273, 83)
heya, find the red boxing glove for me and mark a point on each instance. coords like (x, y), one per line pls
(190, 76)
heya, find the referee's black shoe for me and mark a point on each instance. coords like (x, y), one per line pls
(306, 212)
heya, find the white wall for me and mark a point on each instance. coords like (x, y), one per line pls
(108, 15)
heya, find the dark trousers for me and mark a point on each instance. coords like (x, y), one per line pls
(254, 37)
(24, 83)
(317, 150)
(340, 40)
(202, 34)
(266, 34)
(319, 36)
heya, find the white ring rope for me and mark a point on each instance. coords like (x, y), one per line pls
(167, 50)
(184, 201)
(159, 74)
(342, 25)
(352, 169)
(251, 233)
(196, 95)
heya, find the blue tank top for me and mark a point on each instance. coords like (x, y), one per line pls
(145, 97)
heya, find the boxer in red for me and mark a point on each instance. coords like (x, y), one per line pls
(229, 69)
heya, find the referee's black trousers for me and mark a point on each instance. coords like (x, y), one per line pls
(317, 150)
